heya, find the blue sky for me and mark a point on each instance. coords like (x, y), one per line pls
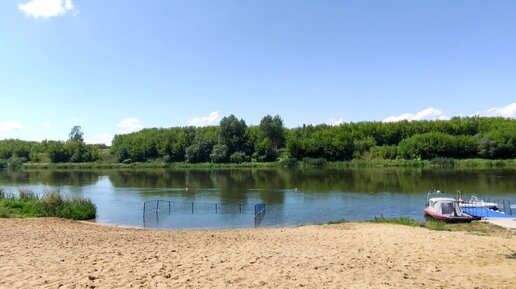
(118, 66)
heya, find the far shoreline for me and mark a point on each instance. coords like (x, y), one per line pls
(444, 163)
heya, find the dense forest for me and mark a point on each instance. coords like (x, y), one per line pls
(233, 141)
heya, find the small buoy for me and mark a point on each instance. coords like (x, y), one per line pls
(186, 189)
(295, 189)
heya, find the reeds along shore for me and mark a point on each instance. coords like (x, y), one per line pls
(51, 204)
(309, 163)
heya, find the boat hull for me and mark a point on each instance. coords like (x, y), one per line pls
(465, 218)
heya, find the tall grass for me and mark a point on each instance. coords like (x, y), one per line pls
(52, 204)
(4, 213)
(399, 221)
(476, 227)
(25, 194)
(430, 224)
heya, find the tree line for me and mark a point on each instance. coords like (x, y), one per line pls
(233, 141)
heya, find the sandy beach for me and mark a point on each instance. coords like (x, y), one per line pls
(55, 253)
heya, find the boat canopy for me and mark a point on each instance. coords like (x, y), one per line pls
(445, 206)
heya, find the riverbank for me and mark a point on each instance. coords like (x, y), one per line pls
(375, 163)
(56, 253)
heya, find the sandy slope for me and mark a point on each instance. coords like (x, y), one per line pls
(54, 253)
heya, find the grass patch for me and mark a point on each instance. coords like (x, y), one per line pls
(336, 222)
(4, 213)
(147, 165)
(398, 221)
(107, 163)
(475, 227)
(52, 204)
(511, 256)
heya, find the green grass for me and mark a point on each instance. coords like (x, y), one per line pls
(336, 222)
(398, 221)
(475, 227)
(4, 212)
(306, 163)
(52, 204)
(146, 165)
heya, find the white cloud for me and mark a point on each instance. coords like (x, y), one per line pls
(129, 125)
(68, 5)
(508, 111)
(211, 119)
(426, 114)
(103, 138)
(335, 122)
(10, 125)
(46, 8)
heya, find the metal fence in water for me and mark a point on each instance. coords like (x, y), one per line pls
(157, 207)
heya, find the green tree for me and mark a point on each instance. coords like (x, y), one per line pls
(271, 138)
(233, 134)
(76, 134)
(56, 152)
(219, 153)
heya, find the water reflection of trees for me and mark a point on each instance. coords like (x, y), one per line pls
(232, 183)
(271, 183)
(49, 177)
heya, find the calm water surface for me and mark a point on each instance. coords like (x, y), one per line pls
(322, 195)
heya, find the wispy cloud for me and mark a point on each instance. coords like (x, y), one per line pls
(335, 122)
(46, 8)
(425, 114)
(129, 125)
(10, 125)
(508, 111)
(211, 119)
(103, 138)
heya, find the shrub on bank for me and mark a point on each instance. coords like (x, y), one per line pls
(53, 204)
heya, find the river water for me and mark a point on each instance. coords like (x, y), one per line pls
(292, 197)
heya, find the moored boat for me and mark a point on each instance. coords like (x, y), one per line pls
(475, 202)
(446, 209)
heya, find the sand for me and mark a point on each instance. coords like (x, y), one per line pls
(55, 253)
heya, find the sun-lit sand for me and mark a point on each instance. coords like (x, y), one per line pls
(54, 253)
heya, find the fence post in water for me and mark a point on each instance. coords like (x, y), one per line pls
(144, 203)
(240, 204)
(216, 208)
(157, 207)
(169, 207)
(192, 207)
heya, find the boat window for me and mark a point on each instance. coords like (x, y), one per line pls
(447, 208)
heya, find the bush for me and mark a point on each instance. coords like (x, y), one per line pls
(238, 158)
(4, 213)
(384, 152)
(219, 153)
(51, 205)
(76, 208)
(289, 163)
(443, 162)
(314, 162)
(436, 144)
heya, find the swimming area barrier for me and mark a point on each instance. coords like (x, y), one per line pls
(157, 207)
